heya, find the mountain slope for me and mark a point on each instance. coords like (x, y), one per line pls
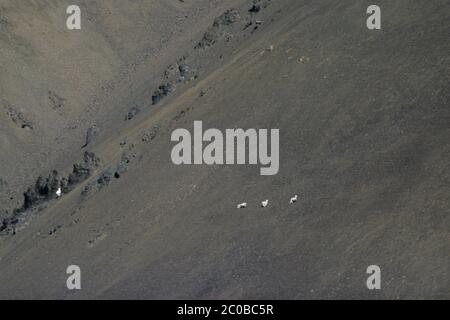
(364, 140)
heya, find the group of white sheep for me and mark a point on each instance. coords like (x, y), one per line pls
(265, 203)
(243, 205)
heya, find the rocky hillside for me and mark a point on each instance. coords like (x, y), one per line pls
(364, 142)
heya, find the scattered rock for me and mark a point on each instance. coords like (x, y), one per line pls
(211, 36)
(208, 40)
(103, 180)
(19, 119)
(56, 100)
(184, 70)
(126, 159)
(182, 114)
(43, 190)
(170, 72)
(132, 112)
(53, 231)
(149, 136)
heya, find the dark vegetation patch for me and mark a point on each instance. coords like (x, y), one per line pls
(185, 72)
(216, 31)
(163, 91)
(82, 171)
(103, 180)
(91, 133)
(220, 29)
(255, 7)
(5, 222)
(57, 102)
(44, 190)
(180, 72)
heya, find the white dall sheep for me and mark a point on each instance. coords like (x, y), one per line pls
(293, 199)
(242, 205)
(264, 203)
